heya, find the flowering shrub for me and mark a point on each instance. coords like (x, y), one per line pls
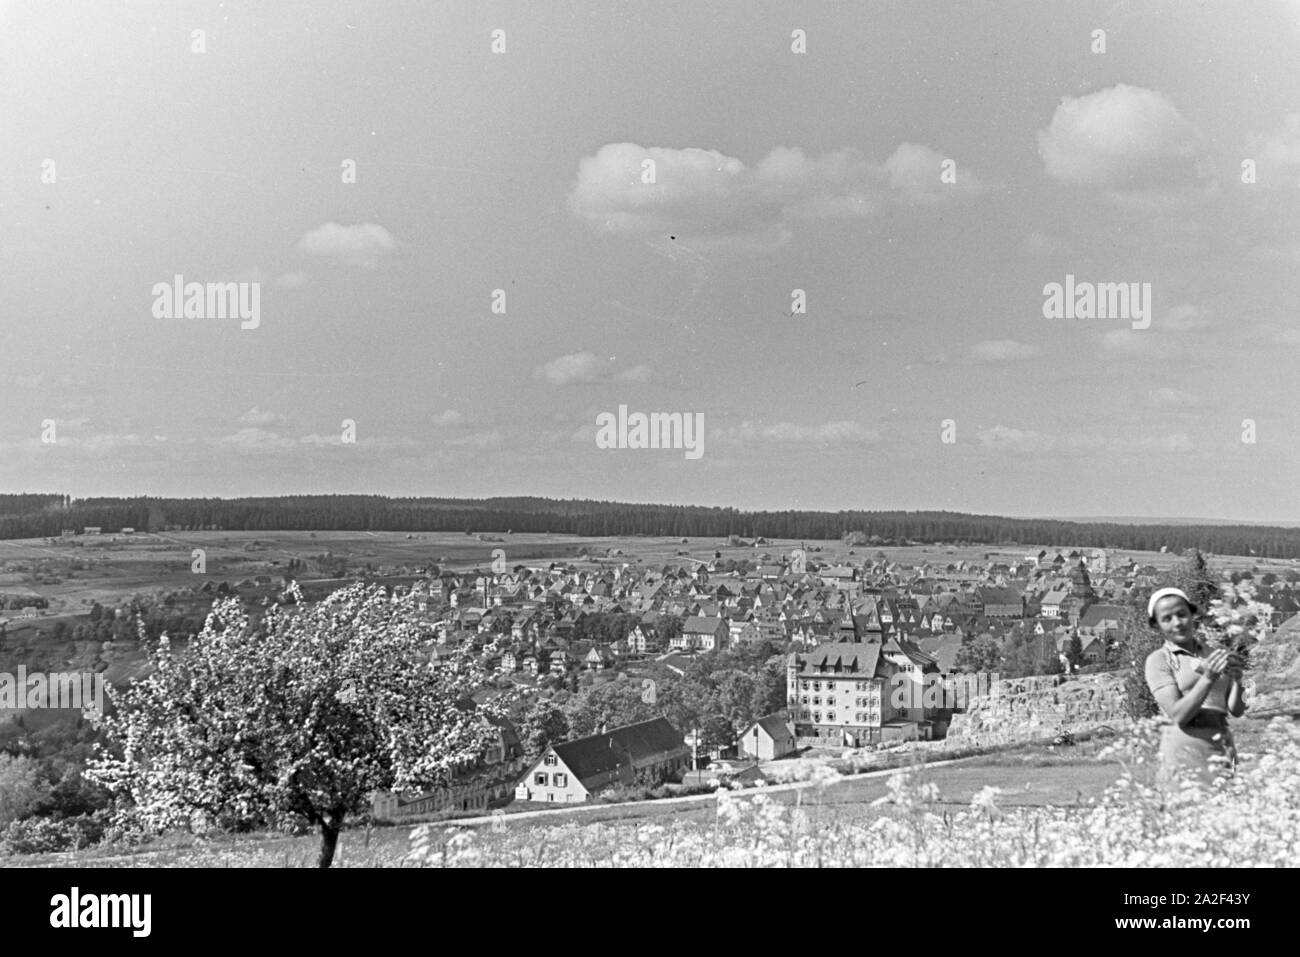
(1238, 620)
(1252, 819)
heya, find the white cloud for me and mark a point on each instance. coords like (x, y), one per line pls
(1124, 136)
(715, 201)
(1006, 439)
(1277, 153)
(292, 280)
(916, 173)
(259, 417)
(840, 432)
(1131, 342)
(1171, 399)
(576, 367)
(640, 373)
(256, 438)
(450, 417)
(1002, 350)
(361, 244)
(587, 367)
(34, 381)
(479, 440)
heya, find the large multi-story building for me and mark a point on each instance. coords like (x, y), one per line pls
(846, 694)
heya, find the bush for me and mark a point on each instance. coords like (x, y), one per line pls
(41, 835)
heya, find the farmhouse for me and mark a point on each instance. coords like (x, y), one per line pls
(572, 772)
(767, 739)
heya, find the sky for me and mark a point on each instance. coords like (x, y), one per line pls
(827, 232)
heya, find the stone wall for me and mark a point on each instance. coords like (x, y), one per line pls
(1273, 681)
(1036, 706)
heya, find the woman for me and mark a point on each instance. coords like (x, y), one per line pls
(1196, 687)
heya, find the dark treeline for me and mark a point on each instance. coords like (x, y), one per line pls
(32, 516)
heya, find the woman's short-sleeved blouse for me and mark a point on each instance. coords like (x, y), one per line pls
(1172, 665)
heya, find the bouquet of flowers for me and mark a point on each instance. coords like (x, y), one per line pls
(1236, 621)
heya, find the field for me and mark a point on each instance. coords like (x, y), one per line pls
(117, 566)
(1052, 790)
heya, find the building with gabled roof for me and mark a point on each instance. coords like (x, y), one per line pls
(573, 771)
(767, 739)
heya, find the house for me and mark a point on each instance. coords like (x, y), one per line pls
(767, 739)
(91, 530)
(128, 530)
(572, 772)
(999, 602)
(1099, 619)
(704, 633)
(838, 694)
(598, 658)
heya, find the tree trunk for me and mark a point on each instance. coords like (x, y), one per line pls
(329, 839)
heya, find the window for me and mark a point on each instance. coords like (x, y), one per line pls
(550, 760)
(817, 701)
(803, 686)
(539, 779)
(830, 700)
(817, 686)
(561, 780)
(803, 700)
(817, 717)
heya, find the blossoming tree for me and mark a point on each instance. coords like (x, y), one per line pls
(295, 720)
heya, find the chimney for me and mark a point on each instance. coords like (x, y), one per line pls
(602, 731)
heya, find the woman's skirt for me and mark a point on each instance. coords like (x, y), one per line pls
(1202, 749)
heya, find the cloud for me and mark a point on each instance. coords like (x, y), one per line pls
(1131, 342)
(359, 245)
(450, 417)
(1002, 350)
(587, 367)
(1006, 439)
(641, 373)
(479, 440)
(916, 172)
(258, 417)
(256, 438)
(715, 201)
(840, 432)
(291, 280)
(574, 368)
(34, 381)
(1172, 399)
(1277, 153)
(1124, 137)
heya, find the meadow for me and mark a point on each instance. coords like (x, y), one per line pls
(1031, 805)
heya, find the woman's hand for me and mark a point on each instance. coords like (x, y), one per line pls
(1217, 663)
(1236, 665)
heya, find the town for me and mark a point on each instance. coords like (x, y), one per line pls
(871, 652)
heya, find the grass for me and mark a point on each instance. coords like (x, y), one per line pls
(1036, 776)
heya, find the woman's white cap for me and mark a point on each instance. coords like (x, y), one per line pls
(1165, 593)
